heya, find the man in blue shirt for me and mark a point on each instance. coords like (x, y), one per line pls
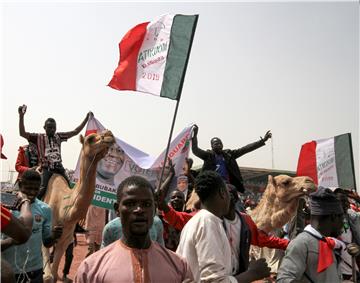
(26, 259)
(113, 231)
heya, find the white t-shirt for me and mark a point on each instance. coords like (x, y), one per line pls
(233, 229)
(204, 244)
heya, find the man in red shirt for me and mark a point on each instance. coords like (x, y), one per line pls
(245, 233)
(27, 159)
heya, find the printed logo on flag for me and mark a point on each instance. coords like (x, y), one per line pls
(329, 162)
(325, 160)
(154, 56)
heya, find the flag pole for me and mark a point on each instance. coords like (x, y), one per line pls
(178, 98)
(352, 162)
(168, 144)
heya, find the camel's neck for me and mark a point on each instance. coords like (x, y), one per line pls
(261, 214)
(271, 214)
(84, 190)
(264, 204)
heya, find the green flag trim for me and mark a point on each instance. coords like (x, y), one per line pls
(181, 38)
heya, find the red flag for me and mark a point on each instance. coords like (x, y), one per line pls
(307, 161)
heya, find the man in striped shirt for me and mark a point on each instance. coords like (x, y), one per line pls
(49, 147)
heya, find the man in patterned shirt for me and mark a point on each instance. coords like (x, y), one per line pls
(49, 147)
(135, 257)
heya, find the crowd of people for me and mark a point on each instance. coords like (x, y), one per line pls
(199, 232)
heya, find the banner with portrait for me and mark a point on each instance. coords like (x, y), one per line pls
(124, 160)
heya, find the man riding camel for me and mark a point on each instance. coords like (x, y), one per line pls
(49, 147)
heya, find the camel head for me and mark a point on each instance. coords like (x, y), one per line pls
(284, 189)
(96, 145)
(280, 201)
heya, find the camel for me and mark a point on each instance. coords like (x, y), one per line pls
(279, 201)
(70, 205)
(278, 205)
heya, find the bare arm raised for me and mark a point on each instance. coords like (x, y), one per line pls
(187, 171)
(26, 135)
(163, 190)
(80, 127)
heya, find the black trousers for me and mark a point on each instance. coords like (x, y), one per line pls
(68, 259)
(45, 177)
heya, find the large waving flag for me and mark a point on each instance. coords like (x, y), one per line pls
(124, 160)
(329, 162)
(154, 56)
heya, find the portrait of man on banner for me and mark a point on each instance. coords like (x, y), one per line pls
(110, 165)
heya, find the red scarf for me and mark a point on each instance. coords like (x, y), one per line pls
(326, 247)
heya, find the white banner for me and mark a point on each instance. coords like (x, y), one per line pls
(124, 160)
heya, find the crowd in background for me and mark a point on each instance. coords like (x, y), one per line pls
(200, 231)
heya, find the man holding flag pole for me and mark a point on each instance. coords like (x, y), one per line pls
(153, 59)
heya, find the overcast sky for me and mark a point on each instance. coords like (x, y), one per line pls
(289, 67)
